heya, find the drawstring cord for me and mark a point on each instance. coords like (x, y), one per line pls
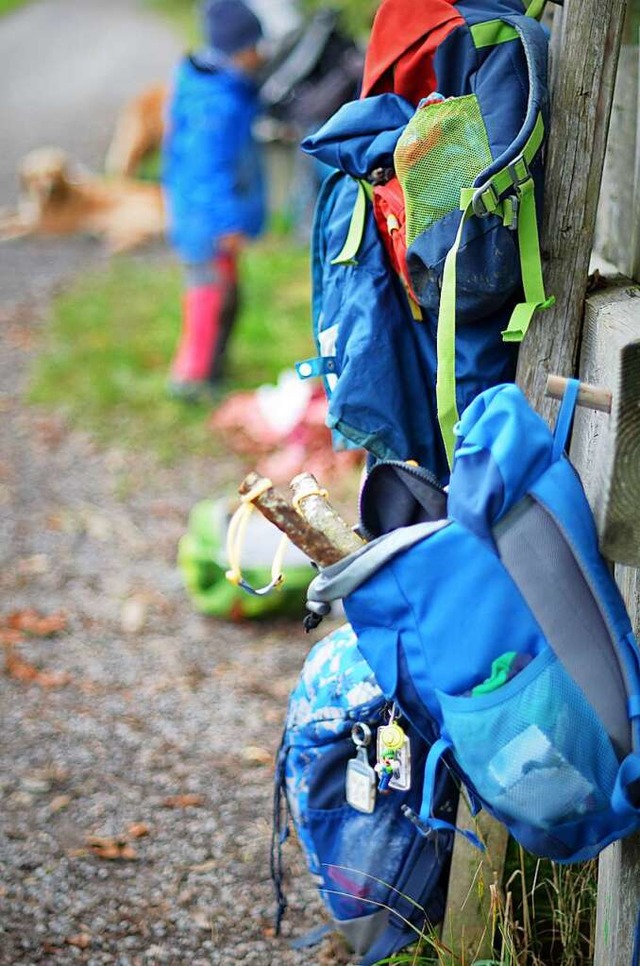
(235, 540)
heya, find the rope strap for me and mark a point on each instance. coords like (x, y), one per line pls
(235, 541)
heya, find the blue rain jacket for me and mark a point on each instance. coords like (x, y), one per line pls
(212, 168)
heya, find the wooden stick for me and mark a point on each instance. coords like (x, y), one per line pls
(590, 396)
(311, 502)
(275, 508)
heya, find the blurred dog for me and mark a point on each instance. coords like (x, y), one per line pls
(138, 132)
(60, 198)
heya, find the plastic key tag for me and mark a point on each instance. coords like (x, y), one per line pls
(393, 756)
(361, 778)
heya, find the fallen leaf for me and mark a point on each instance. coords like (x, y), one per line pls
(82, 940)
(137, 830)
(111, 849)
(9, 638)
(19, 669)
(59, 802)
(35, 624)
(183, 801)
(255, 755)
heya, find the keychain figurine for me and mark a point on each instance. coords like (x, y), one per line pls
(394, 756)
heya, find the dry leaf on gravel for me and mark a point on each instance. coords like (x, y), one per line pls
(19, 669)
(254, 755)
(183, 801)
(81, 941)
(111, 849)
(34, 624)
(137, 830)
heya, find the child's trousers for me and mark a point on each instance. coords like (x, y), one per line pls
(210, 308)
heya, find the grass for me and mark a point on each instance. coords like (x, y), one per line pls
(6, 6)
(112, 335)
(183, 13)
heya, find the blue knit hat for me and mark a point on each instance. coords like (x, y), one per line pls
(230, 26)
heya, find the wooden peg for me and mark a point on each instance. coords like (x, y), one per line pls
(592, 397)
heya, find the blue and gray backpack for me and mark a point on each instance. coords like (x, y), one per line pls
(403, 352)
(382, 882)
(488, 614)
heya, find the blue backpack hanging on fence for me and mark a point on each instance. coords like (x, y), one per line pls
(451, 123)
(502, 629)
(381, 880)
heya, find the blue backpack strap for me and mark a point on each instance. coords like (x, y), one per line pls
(565, 418)
(425, 822)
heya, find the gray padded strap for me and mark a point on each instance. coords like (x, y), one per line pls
(342, 578)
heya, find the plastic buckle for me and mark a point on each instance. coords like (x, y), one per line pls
(478, 203)
(515, 169)
(515, 205)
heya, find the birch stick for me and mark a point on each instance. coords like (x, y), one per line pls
(311, 502)
(275, 508)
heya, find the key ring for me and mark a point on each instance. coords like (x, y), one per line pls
(361, 734)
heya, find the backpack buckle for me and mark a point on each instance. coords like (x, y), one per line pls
(485, 200)
(519, 171)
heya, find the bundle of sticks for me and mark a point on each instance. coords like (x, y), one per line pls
(309, 520)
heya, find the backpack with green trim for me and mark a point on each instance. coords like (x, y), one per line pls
(437, 199)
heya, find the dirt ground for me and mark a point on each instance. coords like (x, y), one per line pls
(136, 744)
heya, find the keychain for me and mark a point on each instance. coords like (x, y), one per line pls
(361, 777)
(394, 756)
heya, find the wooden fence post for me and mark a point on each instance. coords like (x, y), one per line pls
(584, 75)
(611, 337)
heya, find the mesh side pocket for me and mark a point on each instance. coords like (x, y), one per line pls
(534, 748)
(443, 149)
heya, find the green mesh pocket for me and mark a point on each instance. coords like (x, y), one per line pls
(443, 148)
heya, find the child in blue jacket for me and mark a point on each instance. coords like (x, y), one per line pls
(214, 185)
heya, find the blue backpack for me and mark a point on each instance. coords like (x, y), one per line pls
(402, 353)
(500, 628)
(377, 875)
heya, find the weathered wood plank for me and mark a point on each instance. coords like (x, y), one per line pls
(584, 77)
(606, 449)
(611, 323)
(618, 212)
(467, 928)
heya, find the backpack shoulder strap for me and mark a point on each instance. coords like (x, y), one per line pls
(508, 191)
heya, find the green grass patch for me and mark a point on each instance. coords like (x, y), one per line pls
(112, 336)
(6, 6)
(184, 14)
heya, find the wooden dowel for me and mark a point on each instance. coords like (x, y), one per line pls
(311, 502)
(593, 397)
(275, 508)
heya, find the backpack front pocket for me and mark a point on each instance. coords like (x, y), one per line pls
(533, 747)
(443, 150)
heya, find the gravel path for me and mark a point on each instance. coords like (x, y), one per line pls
(136, 762)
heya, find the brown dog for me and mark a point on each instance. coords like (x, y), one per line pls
(138, 132)
(57, 198)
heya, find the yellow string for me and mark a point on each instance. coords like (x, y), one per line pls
(299, 497)
(236, 534)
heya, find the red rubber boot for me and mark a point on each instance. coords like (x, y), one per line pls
(191, 369)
